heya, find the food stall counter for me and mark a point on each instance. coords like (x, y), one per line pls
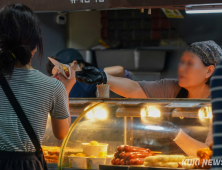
(136, 134)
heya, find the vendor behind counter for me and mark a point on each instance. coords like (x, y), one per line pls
(195, 69)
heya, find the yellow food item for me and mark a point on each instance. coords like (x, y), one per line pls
(148, 164)
(94, 143)
(187, 165)
(72, 155)
(81, 155)
(64, 68)
(151, 159)
(92, 156)
(165, 158)
(102, 154)
(204, 153)
(51, 153)
(171, 164)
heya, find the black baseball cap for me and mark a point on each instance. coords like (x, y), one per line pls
(68, 55)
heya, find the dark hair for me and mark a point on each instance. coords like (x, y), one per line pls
(20, 34)
(49, 65)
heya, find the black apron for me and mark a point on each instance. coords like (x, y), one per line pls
(21, 160)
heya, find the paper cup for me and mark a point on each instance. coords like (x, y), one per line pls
(77, 162)
(93, 163)
(96, 150)
(108, 161)
(102, 91)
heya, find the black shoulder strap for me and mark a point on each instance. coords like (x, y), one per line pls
(20, 113)
(183, 93)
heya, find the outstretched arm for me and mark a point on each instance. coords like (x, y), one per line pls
(122, 86)
(125, 87)
(117, 71)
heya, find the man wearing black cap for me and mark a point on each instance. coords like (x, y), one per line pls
(73, 58)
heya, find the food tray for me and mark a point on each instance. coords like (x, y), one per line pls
(135, 167)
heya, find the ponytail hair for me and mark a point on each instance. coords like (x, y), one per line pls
(20, 34)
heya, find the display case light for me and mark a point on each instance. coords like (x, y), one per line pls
(89, 115)
(150, 111)
(143, 112)
(205, 112)
(153, 111)
(99, 113)
(205, 8)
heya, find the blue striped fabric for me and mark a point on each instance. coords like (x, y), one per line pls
(38, 95)
(216, 95)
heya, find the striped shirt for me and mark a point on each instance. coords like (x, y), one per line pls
(38, 95)
(216, 95)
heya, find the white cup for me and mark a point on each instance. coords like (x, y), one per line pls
(102, 91)
(93, 163)
(77, 162)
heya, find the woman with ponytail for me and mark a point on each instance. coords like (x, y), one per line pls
(27, 95)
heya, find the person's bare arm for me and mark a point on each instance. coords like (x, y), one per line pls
(125, 87)
(117, 71)
(60, 127)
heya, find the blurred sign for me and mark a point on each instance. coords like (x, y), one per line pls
(172, 13)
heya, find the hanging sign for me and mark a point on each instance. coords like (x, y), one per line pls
(172, 13)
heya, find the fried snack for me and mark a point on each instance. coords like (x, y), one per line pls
(94, 143)
(159, 164)
(148, 164)
(51, 153)
(66, 70)
(204, 153)
(163, 164)
(188, 165)
(81, 155)
(92, 156)
(151, 159)
(165, 158)
(171, 164)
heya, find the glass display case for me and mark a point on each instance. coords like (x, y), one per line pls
(157, 126)
(51, 146)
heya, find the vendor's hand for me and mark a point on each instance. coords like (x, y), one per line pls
(91, 75)
(68, 83)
